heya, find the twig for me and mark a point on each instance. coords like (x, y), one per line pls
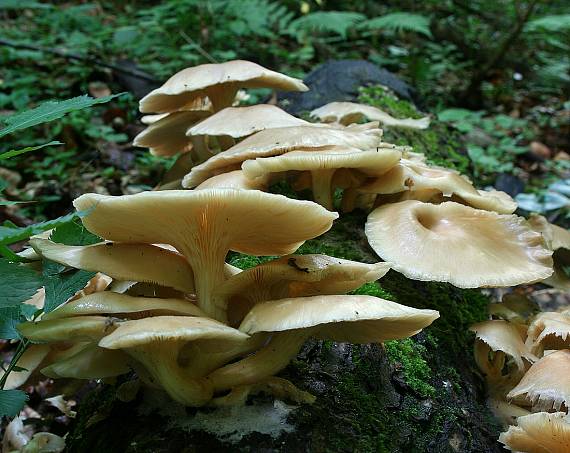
(73, 56)
(199, 48)
(22, 346)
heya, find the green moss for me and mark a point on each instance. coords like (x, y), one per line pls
(373, 289)
(408, 356)
(380, 97)
(246, 261)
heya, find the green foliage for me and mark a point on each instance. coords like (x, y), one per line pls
(335, 22)
(12, 402)
(400, 21)
(60, 287)
(74, 233)
(549, 24)
(17, 152)
(10, 317)
(17, 283)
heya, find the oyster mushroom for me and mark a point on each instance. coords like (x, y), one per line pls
(235, 180)
(323, 165)
(539, 433)
(219, 82)
(467, 247)
(273, 142)
(204, 225)
(75, 329)
(549, 330)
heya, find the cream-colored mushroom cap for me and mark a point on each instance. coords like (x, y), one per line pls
(350, 112)
(239, 122)
(357, 319)
(503, 336)
(80, 328)
(547, 383)
(556, 237)
(110, 303)
(449, 242)
(205, 224)
(219, 82)
(167, 136)
(273, 142)
(542, 432)
(139, 332)
(549, 330)
(127, 262)
(235, 180)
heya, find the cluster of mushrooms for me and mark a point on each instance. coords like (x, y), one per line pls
(211, 334)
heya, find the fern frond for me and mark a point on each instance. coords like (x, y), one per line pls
(399, 21)
(557, 23)
(335, 22)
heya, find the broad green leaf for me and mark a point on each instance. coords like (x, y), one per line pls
(17, 152)
(400, 21)
(553, 23)
(337, 22)
(12, 402)
(49, 111)
(10, 317)
(74, 233)
(59, 288)
(9, 234)
(23, 4)
(17, 283)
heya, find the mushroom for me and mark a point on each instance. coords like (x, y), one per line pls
(204, 225)
(350, 112)
(128, 262)
(323, 165)
(30, 360)
(295, 276)
(157, 342)
(273, 142)
(235, 180)
(75, 329)
(539, 433)
(546, 384)
(219, 82)
(356, 319)
(449, 242)
(549, 330)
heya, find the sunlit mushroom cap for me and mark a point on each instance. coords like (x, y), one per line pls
(127, 262)
(467, 247)
(417, 177)
(167, 136)
(350, 112)
(80, 328)
(542, 432)
(503, 336)
(215, 81)
(235, 180)
(549, 330)
(169, 328)
(273, 142)
(239, 122)
(547, 383)
(248, 221)
(110, 303)
(368, 162)
(554, 236)
(356, 319)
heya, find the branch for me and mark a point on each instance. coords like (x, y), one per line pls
(73, 56)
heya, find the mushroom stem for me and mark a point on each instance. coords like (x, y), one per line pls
(184, 385)
(322, 187)
(225, 142)
(200, 148)
(272, 358)
(222, 98)
(349, 199)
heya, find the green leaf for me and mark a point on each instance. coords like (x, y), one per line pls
(12, 203)
(12, 402)
(399, 21)
(10, 317)
(74, 233)
(17, 283)
(17, 152)
(10, 234)
(49, 111)
(22, 4)
(60, 288)
(337, 22)
(552, 23)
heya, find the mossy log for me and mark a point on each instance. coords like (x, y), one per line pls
(416, 395)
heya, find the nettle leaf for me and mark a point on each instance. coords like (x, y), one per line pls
(12, 402)
(17, 152)
(10, 317)
(49, 111)
(74, 233)
(59, 288)
(10, 233)
(17, 283)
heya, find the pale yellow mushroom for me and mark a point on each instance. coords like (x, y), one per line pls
(449, 242)
(351, 112)
(79, 328)
(235, 180)
(204, 225)
(539, 433)
(219, 82)
(549, 330)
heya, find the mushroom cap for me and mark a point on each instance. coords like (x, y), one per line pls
(273, 142)
(549, 330)
(554, 236)
(467, 247)
(547, 383)
(32, 357)
(370, 163)
(80, 328)
(351, 112)
(251, 221)
(503, 336)
(542, 432)
(238, 122)
(107, 303)
(167, 136)
(415, 176)
(91, 362)
(357, 319)
(199, 81)
(127, 262)
(235, 180)
(140, 332)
